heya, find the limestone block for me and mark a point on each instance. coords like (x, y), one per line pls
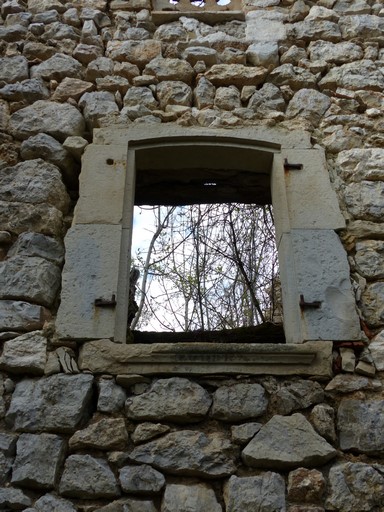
(13, 33)
(57, 67)
(263, 53)
(364, 368)
(25, 354)
(312, 29)
(29, 278)
(265, 25)
(174, 93)
(296, 395)
(14, 499)
(204, 94)
(90, 272)
(130, 504)
(365, 433)
(138, 53)
(376, 348)
(34, 181)
(194, 54)
(17, 217)
(268, 97)
(364, 200)
(86, 477)
(111, 396)
(57, 403)
(310, 358)
(227, 98)
(263, 492)
(96, 105)
(357, 165)
(349, 383)
(242, 434)
(354, 486)
(287, 442)
(21, 316)
(354, 7)
(235, 74)
(323, 419)
(322, 274)
(39, 245)
(51, 503)
(25, 90)
(141, 480)
(170, 69)
(308, 104)
(75, 146)
(239, 402)
(13, 69)
(337, 53)
(366, 26)
(306, 485)
(174, 399)
(372, 304)
(102, 181)
(183, 498)
(142, 96)
(104, 434)
(71, 88)
(38, 459)
(188, 453)
(348, 359)
(56, 119)
(293, 76)
(364, 74)
(147, 431)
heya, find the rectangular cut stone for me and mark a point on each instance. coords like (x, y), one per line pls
(265, 25)
(304, 188)
(102, 181)
(313, 359)
(90, 272)
(322, 273)
(121, 136)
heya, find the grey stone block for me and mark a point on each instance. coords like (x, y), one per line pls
(38, 458)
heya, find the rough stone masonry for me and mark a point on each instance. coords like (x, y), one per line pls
(75, 441)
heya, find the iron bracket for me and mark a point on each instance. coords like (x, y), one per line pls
(105, 303)
(303, 304)
(292, 167)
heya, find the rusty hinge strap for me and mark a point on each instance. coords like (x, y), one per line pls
(292, 167)
(105, 303)
(303, 304)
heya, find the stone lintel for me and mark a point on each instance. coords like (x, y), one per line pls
(308, 359)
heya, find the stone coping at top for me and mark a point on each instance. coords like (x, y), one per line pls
(309, 359)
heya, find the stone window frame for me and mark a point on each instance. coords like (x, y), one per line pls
(307, 217)
(210, 12)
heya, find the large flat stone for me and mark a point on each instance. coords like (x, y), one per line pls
(188, 453)
(287, 442)
(322, 273)
(174, 399)
(101, 182)
(90, 272)
(54, 404)
(183, 498)
(18, 217)
(102, 356)
(239, 402)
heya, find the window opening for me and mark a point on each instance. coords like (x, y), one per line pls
(206, 254)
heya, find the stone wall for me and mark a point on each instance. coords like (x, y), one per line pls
(71, 440)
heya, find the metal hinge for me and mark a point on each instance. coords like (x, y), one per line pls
(292, 167)
(105, 303)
